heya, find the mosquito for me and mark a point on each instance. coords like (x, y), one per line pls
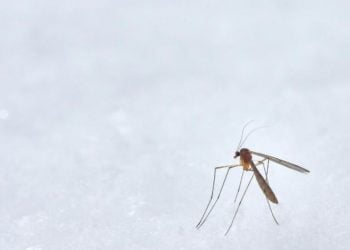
(248, 165)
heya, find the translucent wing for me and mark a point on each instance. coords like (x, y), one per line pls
(282, 162)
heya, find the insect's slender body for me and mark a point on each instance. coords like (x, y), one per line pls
(248, 164)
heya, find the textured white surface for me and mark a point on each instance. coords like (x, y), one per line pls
(114, 113)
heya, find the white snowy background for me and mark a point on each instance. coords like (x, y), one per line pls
(113, 115)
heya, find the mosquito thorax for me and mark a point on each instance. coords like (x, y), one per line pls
(244, 150)
(245, 155)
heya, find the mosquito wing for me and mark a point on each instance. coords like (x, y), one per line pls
(282, 162)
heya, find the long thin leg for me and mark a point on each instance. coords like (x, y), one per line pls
(268, 202)
(239, 186)
(217, 198)
(267, 170)
(204, 217)
(239, 204)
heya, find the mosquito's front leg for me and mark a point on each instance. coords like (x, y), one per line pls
(205, 216)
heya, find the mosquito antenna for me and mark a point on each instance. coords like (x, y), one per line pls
(242, 133)
(250, 134)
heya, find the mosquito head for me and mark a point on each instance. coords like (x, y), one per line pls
(236, 154)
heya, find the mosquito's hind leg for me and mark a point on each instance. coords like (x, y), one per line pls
(268, 202)
(239, 204)
(205, 215)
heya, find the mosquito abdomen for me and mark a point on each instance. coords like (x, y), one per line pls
(263, 185)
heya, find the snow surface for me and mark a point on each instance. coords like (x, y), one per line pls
(113, 115)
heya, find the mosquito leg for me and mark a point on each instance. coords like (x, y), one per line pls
(210, 199)
(239, 186)
(268, 202)
(267, 170)
(216, 200)
(239, 204)
(212, 193)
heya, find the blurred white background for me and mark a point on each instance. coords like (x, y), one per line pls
(113, 115)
